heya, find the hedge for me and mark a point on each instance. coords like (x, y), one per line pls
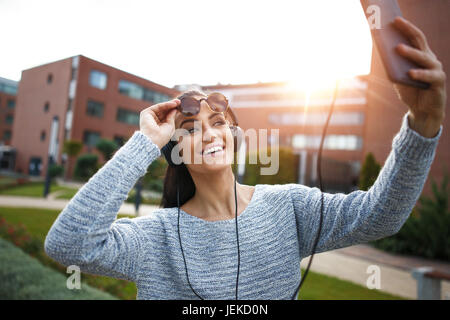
(24, 278)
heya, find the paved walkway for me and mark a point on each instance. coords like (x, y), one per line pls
(349, 263)
(352, 264)
(58, 204)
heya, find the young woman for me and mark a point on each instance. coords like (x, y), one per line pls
(194, 253)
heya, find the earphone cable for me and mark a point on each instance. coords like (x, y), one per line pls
(319, 169)
(237, 238)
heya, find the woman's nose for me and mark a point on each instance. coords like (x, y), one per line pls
(209, 132)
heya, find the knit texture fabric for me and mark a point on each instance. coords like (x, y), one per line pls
(276, 230)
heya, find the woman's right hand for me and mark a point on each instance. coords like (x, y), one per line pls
(158, 121)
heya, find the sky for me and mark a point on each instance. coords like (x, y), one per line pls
(197, 41)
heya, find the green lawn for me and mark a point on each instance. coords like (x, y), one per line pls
(316, 287)
(36, 189)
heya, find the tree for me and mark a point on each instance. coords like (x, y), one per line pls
(72, 148)
(107, 148)
(369, 172)
(86, 166)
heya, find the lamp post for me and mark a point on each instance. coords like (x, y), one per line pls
(137, 200)
(52, 153)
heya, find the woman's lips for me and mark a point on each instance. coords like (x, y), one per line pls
(214, 154)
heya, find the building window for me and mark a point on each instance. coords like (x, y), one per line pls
(155, 97)
(42, 135)
(6, 134)
(91, 138)
(332, 142)
(131, 89)
(46, 106)
(9, 119)
(342, 118)
(127, 116)
(49, 78)
(9, 89)
(11, 103)
(95, 109)
(119, 140)
(98, 79)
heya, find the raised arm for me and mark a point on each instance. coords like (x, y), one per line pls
(86, 233)
(381, 211)
(362, 216)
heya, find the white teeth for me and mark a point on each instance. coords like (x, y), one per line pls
(214, 149)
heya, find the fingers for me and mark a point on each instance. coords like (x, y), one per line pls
(412, 32)
(423, 58)
(160, 110)
(165, 106)
(434, 76)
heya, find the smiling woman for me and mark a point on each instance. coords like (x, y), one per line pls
(205, 145)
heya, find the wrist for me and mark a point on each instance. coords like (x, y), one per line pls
(426, 125)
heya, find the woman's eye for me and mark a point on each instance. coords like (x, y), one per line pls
(191, 130)
(220, 122)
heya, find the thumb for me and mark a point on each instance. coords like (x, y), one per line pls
(171, 117)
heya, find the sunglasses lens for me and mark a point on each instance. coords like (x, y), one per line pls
(217, 101)
(189, 106)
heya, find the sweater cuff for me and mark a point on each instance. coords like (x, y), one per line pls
(140, 150)
(412, 145)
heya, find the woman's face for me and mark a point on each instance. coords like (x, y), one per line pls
(200, 132)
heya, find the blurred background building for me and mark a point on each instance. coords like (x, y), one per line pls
(91, 100)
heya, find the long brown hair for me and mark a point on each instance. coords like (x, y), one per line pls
(179, 175)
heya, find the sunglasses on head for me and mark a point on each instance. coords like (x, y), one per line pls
(190, 106)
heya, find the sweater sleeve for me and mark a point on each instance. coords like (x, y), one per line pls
(87, 234)
(363, 216)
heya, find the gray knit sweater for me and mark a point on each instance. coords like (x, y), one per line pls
(276, 230)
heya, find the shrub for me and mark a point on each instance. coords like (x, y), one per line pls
(23, 277)
(20, 237)
(86, 166)
(107, 148)
(369, 172)
(287, 167)
(55, 170)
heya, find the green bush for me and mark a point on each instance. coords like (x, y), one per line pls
(86, 166)
(154, 178)
(24, 278)
(132, 197)
(107, 148)
(55, 170)
(287, 167)
(369, 172)
(426, 233)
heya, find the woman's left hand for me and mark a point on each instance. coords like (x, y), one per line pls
(426, 106)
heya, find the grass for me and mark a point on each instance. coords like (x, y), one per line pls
(36, 189)
(38, 222)
(23, 277)
(323, 287)
(316, 287)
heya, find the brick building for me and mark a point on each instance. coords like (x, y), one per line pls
(295, 119)
(89, 100)
(8, 92)
(385, 110)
